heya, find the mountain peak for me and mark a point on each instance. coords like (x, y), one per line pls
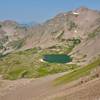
(81, 9)
(9, 22)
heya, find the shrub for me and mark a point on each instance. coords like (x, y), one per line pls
(71, 25)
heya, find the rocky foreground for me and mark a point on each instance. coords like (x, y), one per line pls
(43, 89)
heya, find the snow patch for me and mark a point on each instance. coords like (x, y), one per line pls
(75, 13)
(76, 31)
(42, 60)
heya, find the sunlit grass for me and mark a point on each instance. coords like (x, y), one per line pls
(76, 74)
(27, 64)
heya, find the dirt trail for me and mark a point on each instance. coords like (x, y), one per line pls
(33, 90)
(43, 89)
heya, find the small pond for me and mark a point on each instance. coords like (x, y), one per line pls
(57, 58)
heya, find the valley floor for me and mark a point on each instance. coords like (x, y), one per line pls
(44, 89)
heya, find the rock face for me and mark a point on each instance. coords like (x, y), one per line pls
(10, 35)
(77, 23)
(81, 23)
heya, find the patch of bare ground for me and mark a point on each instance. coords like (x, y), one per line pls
(86, 88)
(86, 91)
(26, 89)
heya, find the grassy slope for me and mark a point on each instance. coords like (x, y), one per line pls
(27, 64)
(76, 74)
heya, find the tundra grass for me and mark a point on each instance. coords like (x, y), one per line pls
(27, 64)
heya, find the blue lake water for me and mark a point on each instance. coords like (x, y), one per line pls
(57, 58)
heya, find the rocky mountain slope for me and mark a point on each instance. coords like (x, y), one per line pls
(11, 36)
(78, 23)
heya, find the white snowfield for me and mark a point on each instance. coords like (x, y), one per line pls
(75, 13)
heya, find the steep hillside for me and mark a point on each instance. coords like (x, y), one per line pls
(78, 23)
(11, 36)
(88, 50)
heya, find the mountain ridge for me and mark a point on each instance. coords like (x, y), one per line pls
(81, 23)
